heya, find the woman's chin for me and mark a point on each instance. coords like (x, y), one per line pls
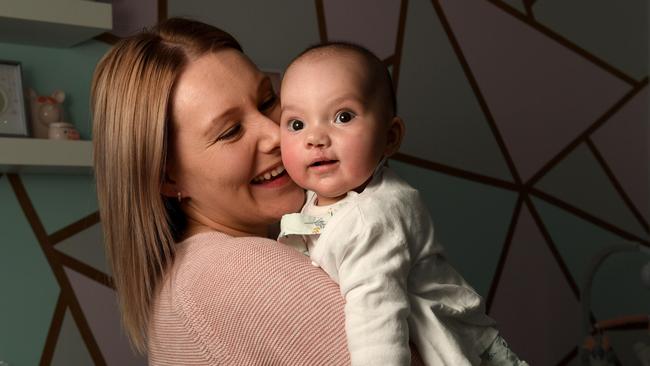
(292, 201)
(278, 197)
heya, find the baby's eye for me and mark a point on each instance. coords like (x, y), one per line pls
(295, 125)
(344, 117)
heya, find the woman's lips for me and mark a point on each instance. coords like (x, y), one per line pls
(277, 181)
(272, 173)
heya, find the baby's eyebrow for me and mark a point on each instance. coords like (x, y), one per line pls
(350, 97)
(288, 107)
(345, 98)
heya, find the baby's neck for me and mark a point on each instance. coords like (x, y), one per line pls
(327, 201)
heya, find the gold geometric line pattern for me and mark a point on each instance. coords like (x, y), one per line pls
(552, 247)
(605, 225)
(528, 5)
(84, 269)
(526, 189)
(53, 333)
(74, 228)
(617, 185)
(399, 43)
(469, 74)
(558, 38)
(601, 121)
(503, 257)
(67, 292)
(322, 25)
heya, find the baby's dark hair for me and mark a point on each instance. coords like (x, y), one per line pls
(379, 80)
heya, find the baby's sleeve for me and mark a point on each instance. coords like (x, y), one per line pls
(373, 266)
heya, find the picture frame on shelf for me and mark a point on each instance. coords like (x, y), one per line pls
(13, 110)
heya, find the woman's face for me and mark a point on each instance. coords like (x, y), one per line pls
(225, 147)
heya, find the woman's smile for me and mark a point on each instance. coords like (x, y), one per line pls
(268, 175)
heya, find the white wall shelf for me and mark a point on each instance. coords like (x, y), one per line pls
(40, 156)
(53, 23)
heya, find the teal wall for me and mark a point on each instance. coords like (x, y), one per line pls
(29, 287)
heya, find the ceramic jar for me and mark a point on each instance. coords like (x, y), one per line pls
(62, 131)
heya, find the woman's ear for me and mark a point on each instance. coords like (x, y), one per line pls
(395, 135)
(168, 187)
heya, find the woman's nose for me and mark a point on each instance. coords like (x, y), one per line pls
(269, 135)
(317, 137)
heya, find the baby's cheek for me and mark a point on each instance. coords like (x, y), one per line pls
(292, 161)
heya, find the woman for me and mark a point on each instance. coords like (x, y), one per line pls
(189, 178)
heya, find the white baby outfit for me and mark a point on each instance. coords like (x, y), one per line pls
(379, 246)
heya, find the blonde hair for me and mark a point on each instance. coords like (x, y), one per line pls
(130, 101)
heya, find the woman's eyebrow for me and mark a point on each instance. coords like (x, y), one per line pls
(264, 85)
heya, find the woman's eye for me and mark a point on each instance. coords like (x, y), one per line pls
(268, 103)
(230, 133)
(295, 125)
(344, 117)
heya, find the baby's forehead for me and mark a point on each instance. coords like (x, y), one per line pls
(331, 55)
(341, 61)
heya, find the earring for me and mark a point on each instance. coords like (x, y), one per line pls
(179, 195)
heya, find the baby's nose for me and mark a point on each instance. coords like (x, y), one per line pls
(318, 138)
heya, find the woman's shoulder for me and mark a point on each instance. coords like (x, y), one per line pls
(213, 270)
(213, 245)
(207, 262)
(192, 311)
(223, 295)
(215, 251)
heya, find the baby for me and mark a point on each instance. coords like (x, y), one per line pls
(364, 226)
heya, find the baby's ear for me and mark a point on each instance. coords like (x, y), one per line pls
(395, 132)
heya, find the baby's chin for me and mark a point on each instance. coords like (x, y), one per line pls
(329, 192)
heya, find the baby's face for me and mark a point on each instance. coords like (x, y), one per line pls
(333, 134)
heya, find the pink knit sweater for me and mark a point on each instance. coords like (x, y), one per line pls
(245, 301)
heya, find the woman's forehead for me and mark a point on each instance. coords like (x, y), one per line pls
(221, 76)
(221, 67)
(213, 89)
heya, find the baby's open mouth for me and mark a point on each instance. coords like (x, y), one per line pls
(324, 162)
(269, 176)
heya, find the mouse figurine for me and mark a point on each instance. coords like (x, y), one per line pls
(47, 116)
